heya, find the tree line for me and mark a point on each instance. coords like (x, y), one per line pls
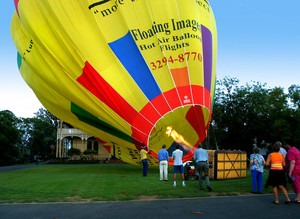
(22, 138)
(244, 116)
(253, 115)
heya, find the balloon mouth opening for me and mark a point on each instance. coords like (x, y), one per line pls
(178, 138)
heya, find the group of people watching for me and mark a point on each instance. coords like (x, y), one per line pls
(284, 163)
(200, 156)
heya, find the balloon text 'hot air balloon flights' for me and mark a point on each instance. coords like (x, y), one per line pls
(129, 72)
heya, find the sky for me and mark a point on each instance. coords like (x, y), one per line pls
(257, 41)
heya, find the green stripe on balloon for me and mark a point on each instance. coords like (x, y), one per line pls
(19, 58)
(92, 120)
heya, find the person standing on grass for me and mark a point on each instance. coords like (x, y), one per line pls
(36, 159)
(281, 150)
(144, 159)
(178, 166)
(257, 163)
(163, 158)
(277, 176)
(292, 160)
(201, 158)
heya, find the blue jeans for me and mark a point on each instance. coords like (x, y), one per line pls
(145, 167)
(257, 180)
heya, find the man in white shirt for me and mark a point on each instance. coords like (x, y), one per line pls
(178, 166)
(281, 150)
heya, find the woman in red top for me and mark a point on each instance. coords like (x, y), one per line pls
(277, 175)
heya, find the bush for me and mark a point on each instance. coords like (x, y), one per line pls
(73, 151)
(89, 152)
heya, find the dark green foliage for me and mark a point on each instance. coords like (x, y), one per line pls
(32, 136)
(244, 116)
(41, 136)
(73, 151)
(89, 151)
(9, 138)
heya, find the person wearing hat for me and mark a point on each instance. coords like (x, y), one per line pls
(143, 154)
(163, 158)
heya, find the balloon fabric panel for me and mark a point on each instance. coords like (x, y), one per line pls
(130, 72)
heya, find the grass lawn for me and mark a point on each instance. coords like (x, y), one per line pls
(106, 182)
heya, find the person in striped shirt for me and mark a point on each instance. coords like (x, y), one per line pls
(277, 174)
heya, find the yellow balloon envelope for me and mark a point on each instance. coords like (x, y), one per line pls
(129, 72)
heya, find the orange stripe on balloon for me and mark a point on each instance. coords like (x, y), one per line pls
(180, 76)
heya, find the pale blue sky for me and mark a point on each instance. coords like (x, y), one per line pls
(258, 40)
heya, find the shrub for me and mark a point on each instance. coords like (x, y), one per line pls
(73, 151)
(89, 153)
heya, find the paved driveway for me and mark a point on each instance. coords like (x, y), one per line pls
(252, 206)
(16, 167)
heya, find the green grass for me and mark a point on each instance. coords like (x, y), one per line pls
(113, 182)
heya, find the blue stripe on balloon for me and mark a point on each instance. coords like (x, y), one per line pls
(129, 55)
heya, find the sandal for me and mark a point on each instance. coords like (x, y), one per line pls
(276, 203)
(287, 202)
(296, 201)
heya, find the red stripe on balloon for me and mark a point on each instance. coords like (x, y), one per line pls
(185, 95)
(202, 96)
(93, 82)
(151, 113)
(196, 119)
(173, 98)
(103, 143)
(16, 6)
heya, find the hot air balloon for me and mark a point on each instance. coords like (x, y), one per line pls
(129, 72)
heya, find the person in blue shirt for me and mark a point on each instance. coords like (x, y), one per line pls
(163, 158)
(201, 157)
(257, 163)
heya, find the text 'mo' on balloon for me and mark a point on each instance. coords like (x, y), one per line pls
(129, 72)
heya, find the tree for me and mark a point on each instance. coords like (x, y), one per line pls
(279, 114)
(38, 134)
(24, 127)
(244, 116)
(45, 115)
(42, 136)
(9, 137)
(294, 94)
